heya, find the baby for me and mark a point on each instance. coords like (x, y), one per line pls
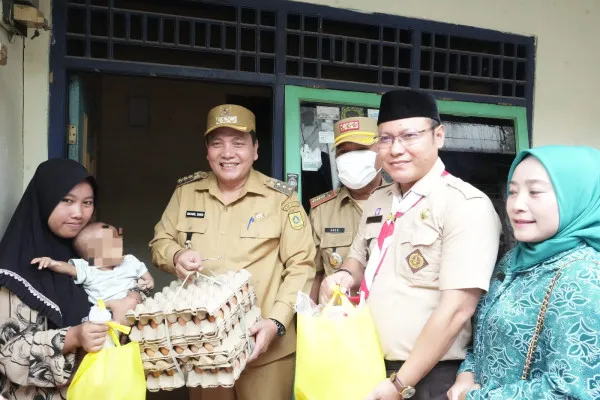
(103, 271)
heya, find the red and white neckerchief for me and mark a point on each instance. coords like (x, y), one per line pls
(399, 208)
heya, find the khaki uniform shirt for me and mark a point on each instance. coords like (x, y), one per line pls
(334, 218)
(449, 240)
(266, 231)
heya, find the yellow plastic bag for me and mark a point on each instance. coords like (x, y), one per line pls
(338, 358)
(114, 373)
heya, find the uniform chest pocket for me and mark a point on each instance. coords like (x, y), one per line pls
(421, 256)
(266, 228)
(371, 235)
(420, 236)
(336, 239)
(193, 225)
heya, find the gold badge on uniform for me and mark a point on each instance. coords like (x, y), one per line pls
(259, 215)
(296, 220)
(335, 260)
(416, 261)
(424, 214)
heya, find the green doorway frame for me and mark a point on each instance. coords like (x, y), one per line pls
(295, 95)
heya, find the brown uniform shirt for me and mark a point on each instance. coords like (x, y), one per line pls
(266, 231)
(449, 240)
(334, 218)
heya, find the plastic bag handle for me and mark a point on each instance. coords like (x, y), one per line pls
(113, 326)
(343, 299)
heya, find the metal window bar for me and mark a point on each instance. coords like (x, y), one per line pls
(358, 51)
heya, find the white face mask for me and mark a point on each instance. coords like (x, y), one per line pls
(356, 169)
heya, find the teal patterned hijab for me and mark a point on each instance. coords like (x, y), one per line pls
(575, 175)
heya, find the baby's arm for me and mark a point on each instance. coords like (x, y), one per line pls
(120, 307)
(56, 266)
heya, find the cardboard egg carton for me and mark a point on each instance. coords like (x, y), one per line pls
(224, 376)
(198, 298)
(203, 327)
(164, 380)
(212, 352)
(207, 371)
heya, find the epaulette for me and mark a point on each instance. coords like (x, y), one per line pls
(383, 185)
(191, 178)
(280, 186)
(323, 198)
(466, 189)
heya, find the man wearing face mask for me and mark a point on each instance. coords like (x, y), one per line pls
(335, 215)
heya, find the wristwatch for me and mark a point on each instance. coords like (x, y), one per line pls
(405, 392)
(280, 327)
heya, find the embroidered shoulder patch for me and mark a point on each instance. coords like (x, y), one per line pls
(280, 186)
(322, 198)
(296, 220)
(191, 178)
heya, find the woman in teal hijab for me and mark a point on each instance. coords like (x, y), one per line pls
(554, 209)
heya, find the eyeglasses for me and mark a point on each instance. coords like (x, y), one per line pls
(406, 139)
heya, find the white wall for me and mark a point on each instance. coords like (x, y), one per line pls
(567, 80)
(36, 67)
(11, 129)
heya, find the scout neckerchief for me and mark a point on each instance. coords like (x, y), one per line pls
(385, 238)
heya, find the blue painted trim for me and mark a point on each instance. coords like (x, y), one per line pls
(162, 70)
(362, 87)
(529, 88)
(278, 146)
(58, 85)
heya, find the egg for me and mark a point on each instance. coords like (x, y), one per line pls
(209, 347)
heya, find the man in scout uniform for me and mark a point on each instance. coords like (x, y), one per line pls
(424, 253)
(233, 218)
(334, 215)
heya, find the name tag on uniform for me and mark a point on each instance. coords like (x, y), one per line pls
(374, 219)
(335, 230)
(194, 214)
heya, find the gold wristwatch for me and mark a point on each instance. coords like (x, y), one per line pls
(405, 392)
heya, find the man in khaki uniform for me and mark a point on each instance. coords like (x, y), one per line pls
(334, 215)
(233, 218)
(424, 253)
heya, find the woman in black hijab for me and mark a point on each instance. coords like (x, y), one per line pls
(41, 311)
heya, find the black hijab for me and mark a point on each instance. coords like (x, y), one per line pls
(28, 236)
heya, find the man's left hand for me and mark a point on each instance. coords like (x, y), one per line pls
(384, 391)
(265, 331)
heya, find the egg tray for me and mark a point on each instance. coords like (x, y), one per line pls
(200, 297)
(200, 373)
(213, 352)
